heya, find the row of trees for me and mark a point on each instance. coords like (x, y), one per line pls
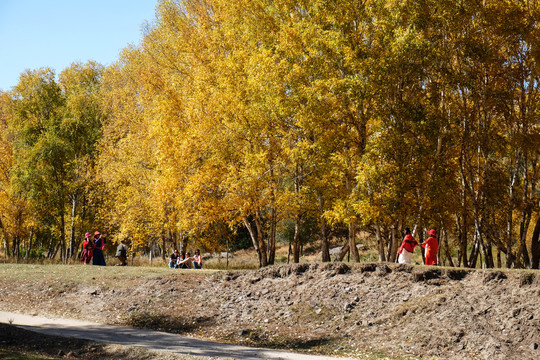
(368, 115)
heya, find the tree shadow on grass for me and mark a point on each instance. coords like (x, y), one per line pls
(259, 338)
(15, 340)
(161, 322)
(21, 344)
(302, 344)
(154, 320)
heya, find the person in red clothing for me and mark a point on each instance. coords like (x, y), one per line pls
(406, 249)
(431, 245)
(88, 249)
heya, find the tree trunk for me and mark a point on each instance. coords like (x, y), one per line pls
(380, 242)
(272, 237)
(325, 245)
(422, 250)
(52, 249)
(182, 247)
(447, 249)
(289, 252)
(163, 245)
(523, 254)
(394, 244)
(173, 240)
(535, 244)
(260, 239)
(72, 246)
(459, 231)
(463, 240)
(296, 240)
(484, 246)
(29, 248)
(344, 251)
(509, 221)
(478, 236)
(63, 236)
(509, 253)
(254, 238)
(352, 242)
(489, 251)
(6, 239)
(474, 254)
(15, 249)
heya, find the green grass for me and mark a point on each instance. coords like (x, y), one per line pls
(87, 274)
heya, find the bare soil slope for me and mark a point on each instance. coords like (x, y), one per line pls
(325, 308)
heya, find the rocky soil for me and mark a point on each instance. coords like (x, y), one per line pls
(322, 308)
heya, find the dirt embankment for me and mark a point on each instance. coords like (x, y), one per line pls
(327, 308)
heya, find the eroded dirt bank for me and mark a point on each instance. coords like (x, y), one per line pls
(328, 308)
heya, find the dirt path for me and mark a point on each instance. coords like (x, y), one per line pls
(153, 340)
(332, 309)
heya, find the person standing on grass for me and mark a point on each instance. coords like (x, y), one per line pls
(406, 249)
(88, 249)
(121, 253)
(431, 245)
(99, 243)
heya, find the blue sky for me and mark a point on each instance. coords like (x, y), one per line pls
(56, 33)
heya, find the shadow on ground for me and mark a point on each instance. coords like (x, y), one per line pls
(20, 344)
(161, 322)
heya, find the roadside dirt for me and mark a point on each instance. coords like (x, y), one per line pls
(322, 308)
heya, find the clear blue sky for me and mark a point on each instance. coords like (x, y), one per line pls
(56, 33)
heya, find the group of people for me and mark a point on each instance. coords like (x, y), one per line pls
(92, 250)
(185, 260)
(406, 250)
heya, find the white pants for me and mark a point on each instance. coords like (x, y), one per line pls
(405, 257)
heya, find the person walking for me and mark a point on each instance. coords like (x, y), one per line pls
(406, 249)
(99, 243)
(121, 253)
(88, 249)
(431, 245)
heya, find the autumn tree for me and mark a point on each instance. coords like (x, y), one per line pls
(55, 126)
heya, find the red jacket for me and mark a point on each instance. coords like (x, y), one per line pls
(431, 245)
(88, 245)
(408, 244)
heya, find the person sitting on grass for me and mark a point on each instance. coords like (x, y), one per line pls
(184, 262)
(174, 258)
(197, 260)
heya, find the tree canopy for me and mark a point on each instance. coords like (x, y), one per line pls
(369, 116)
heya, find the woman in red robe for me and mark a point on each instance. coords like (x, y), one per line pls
(431, 245)
(88, 249)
